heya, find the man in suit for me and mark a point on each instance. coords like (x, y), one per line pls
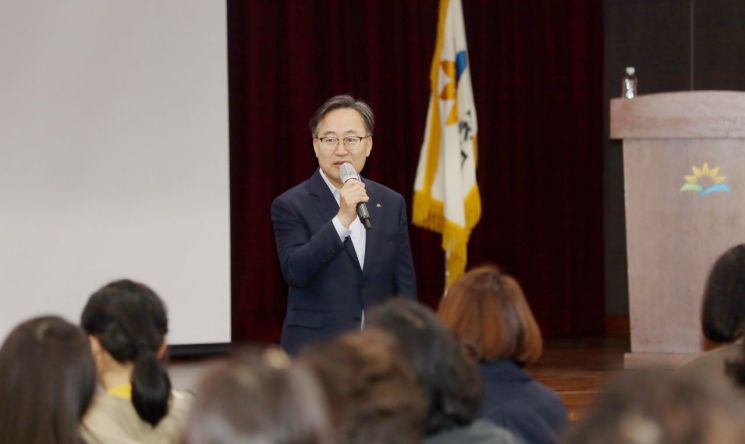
(336, 269)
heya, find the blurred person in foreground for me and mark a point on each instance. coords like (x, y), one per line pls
(259, 398)
(447, 376)
(659, 406)
(47, 381)
(490, 315)
(371, 388)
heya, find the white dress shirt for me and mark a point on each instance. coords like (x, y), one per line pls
(356, 230)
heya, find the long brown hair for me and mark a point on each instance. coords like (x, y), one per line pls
(47, 380)
(487, 310)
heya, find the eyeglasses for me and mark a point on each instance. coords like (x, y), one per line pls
(350, 142)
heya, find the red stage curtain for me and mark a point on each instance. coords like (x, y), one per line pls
(536, 68)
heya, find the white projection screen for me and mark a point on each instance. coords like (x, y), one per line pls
(114, 158)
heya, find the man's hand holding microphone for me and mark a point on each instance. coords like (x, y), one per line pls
(353, 198)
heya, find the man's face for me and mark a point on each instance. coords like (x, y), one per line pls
(341, 123)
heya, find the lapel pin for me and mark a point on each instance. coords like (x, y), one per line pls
(378, 205)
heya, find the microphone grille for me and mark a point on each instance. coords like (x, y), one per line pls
(347, 172)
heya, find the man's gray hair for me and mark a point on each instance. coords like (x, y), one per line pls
(340, 102)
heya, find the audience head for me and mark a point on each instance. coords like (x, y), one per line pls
(723, 308)
(371, 389)
(488, 312)
(447, 376)
(127, 321)
(655, 406)
(259, 398)
(47, 381)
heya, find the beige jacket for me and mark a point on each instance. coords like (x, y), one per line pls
(113, 420)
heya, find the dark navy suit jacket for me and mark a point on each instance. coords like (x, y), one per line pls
(327, 288)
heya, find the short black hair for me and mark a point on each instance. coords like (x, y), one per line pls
(341, 102)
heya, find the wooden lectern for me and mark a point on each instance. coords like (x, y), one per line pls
(684, 174)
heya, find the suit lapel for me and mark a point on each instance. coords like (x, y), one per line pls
(375, 207)
(322, 197)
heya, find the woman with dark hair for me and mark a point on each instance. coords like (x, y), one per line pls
(488, 312)
(127, 324)
(47, 380)
(722, 315)
(446, 375)
(723, 308)
(260, 398)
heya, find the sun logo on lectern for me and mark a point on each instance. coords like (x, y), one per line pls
(705, 181)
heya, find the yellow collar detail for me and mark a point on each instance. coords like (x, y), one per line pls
(123, 391)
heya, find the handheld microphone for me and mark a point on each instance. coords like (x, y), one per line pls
(346, 173)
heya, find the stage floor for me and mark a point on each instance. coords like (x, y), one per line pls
(576, 368)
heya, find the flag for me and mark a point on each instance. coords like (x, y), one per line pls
(446, 195)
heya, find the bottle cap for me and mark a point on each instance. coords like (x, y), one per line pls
(630, 70)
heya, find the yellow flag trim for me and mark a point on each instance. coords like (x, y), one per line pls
(430, 214)
(433, 146)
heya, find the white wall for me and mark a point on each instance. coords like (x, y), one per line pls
(114, 158)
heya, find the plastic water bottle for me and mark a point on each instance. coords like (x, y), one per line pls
(628, 84)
